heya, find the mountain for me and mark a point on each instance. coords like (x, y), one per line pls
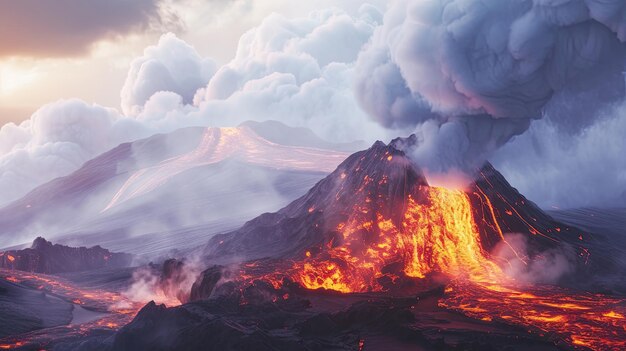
(190, 180)
(375, 217)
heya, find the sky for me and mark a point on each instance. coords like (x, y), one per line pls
(83, 48)
(536, 87)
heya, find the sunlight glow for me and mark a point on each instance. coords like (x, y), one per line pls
(13, 78)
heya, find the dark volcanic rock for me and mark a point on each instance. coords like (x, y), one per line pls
(207, 282)
(44, 257)
(216, 325)
(293, 323)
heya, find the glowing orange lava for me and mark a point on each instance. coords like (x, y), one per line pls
(592, 321)
(438, 235)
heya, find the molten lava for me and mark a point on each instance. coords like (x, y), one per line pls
(375, 225)
(590, 321)
(438, 234)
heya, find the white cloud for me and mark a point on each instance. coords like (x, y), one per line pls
(298, 71)
(171, 65)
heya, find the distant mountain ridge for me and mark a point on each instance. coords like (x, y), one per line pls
(171, 181)
(44, 257)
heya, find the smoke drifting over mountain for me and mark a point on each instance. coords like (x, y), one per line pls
(587, 168)
(471, 74)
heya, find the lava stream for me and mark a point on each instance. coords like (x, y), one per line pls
(438, 235)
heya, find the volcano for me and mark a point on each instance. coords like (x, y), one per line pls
(373, 257)
(375, 219)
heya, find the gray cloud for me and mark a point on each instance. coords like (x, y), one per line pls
(70, 27)
(554, 167)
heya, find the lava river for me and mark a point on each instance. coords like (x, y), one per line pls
(438, 234)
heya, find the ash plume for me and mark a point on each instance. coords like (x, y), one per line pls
(469, 75)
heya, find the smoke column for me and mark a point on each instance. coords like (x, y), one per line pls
(469, 75)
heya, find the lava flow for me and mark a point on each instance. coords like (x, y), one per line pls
(440, 234)
(592, 321)
(117, 310)
(436, 236)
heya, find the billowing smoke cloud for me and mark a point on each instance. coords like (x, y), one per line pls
(471, 74)
(171, 65)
